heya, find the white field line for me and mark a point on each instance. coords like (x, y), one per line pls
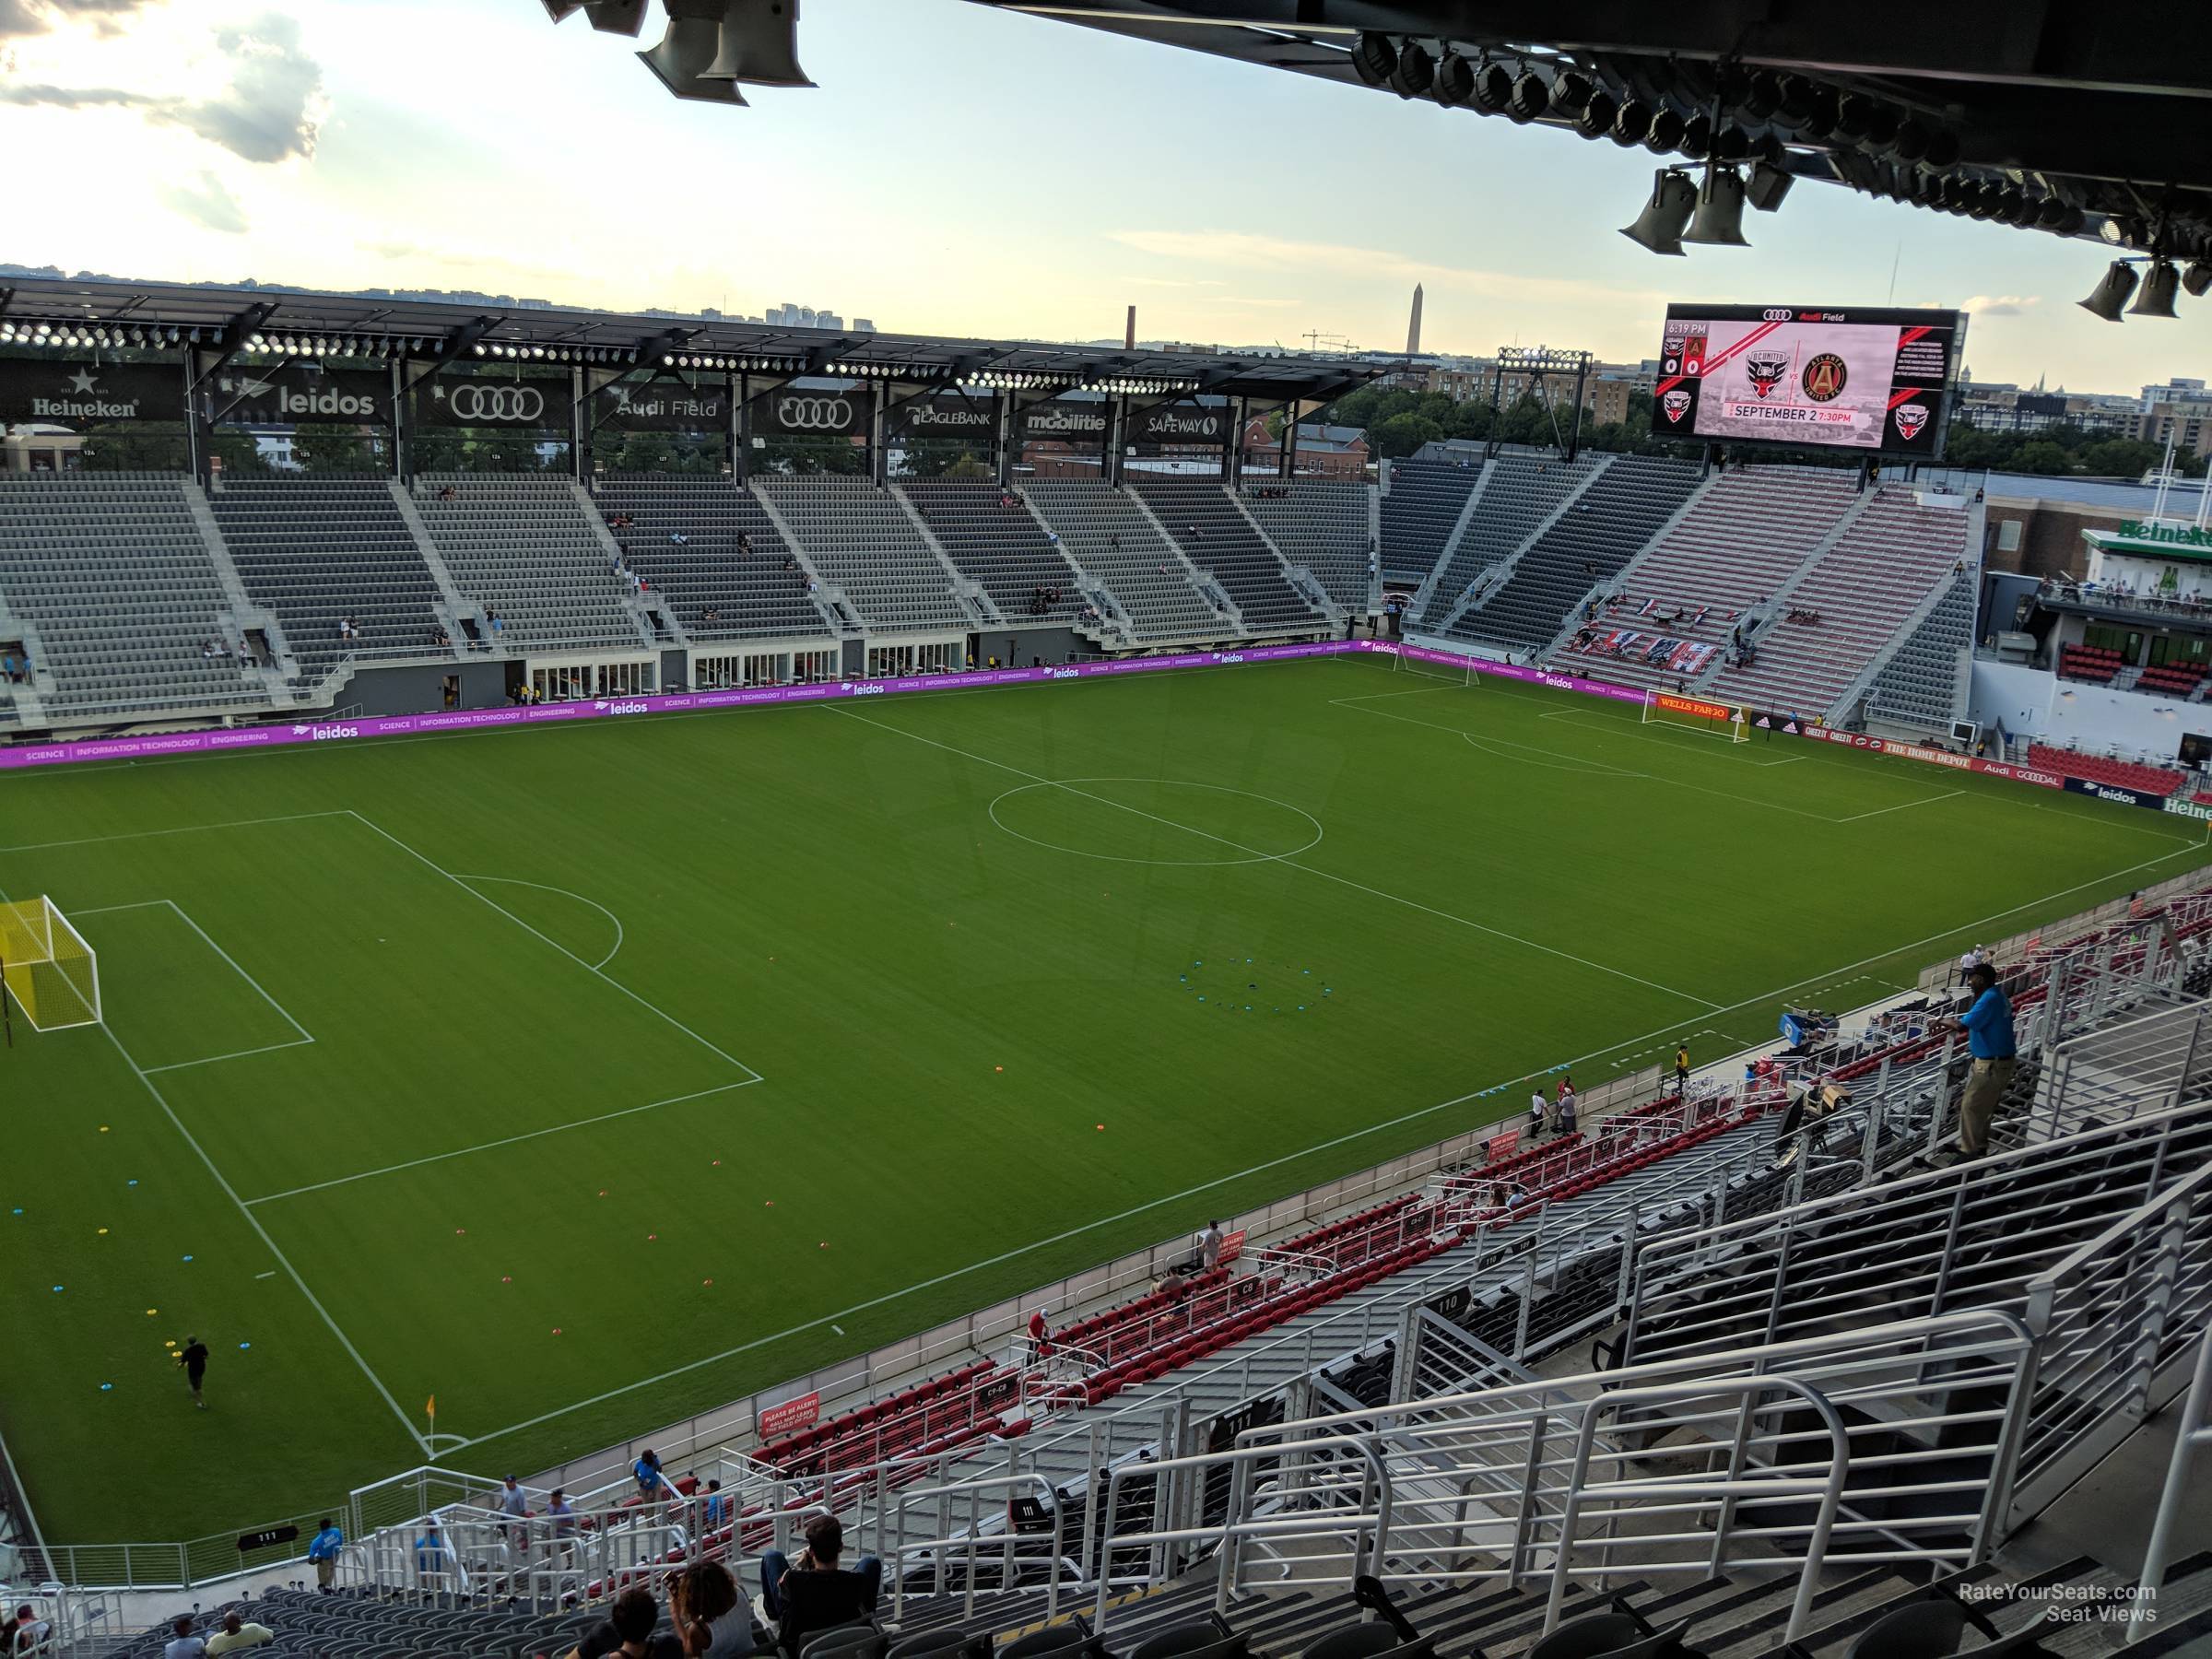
(93, 840)
(649, 1007)
(565, 893)
(267, 1048)
(1558, 754)
(511, 1140)
(1671, 1029)
(283, 1012)
(1668, 742)
(1143, 677)
(1948, 794)
(1285, 862)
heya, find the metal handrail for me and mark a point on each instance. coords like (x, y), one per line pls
(2192, 1431)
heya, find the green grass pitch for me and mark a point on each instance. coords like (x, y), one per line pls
(587, 1078)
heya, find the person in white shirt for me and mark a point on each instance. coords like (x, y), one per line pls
(1969, 961)
(1209, 1247)
(1535, 1114)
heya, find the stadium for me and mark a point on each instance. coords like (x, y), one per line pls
(638, 950)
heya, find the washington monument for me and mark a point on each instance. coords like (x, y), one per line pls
(1413, 325)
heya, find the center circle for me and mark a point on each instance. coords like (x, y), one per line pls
(1155, 821)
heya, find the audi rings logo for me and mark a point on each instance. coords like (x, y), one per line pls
(1778, 314)
(515, 405)
(814, 414)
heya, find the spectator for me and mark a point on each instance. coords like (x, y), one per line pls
(745, 543)
(712, 1620)
(1566, 1114)
(1987, 1023)
(677, 539)
(193, 1359)
(1041, 1333)
(1682, 1067)
(1536, 1104)
(323, 1550)
(563, 1516)
(1969, 960)
(628, 1629)
(236, 1636)
(812, 1593)
(647, 1473)
(449, 494)
(718, 1507)
(430, 1551)
(25, 1633)
(514, 1502)
(183, 1643)
(1209, 1247)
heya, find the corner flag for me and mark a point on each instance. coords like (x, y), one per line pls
(431, 1409)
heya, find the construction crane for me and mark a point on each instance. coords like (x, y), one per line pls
(1316, 340)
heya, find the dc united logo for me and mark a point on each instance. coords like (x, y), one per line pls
(1766, 372)
(1675, 402)
(1910, 419)
(1823, 377)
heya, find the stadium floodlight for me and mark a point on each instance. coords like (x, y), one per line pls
(2106, 298)
(1719, 219)
(2157, 297)
(1665, 217)
(2197, 279)
(688, 49)
(759, 44)
(1769, 184)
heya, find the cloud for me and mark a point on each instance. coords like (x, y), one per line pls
(2000, 305)
(1175, 282)
(208, 204)
(36, 17)
(267, 114)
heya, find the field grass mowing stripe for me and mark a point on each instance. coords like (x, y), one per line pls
(1288, 862)
(415, 1163)
(589, 968)
(1672, 1029)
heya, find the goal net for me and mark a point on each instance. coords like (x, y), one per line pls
(1694, 713)
(1441, 666)
(47, 967)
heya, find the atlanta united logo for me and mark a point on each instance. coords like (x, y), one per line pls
(1675, 402)
(1766, 372)
(1911, 418)
(1823, 377)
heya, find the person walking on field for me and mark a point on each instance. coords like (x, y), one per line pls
(1987, 1023)
(195, 1361)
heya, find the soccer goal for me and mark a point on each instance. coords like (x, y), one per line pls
(1452, 670)
(47, 967)
(1695, 714)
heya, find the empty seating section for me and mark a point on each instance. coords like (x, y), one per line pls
(992, 538)
(1131, 1327)
(526, 549)
(1885, 563)
(959, 1404)
(1920, 684)
(1107, 537)
(743, 583)
(1323, 527)
(2089, 663)
(111, 570)
(2105, 768)
(2172, 679)
(1420, 510)
(1522, 493)
(321, 550)
(858, 537)
(1740, 542)
(1600, 531)
(1202, 516)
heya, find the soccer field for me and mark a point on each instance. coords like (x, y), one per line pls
(586, 1077)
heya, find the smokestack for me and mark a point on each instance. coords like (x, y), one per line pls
(1129, 333)
(1413, 327)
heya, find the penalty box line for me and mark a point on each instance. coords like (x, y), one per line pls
(229, 1191)
(1512, 1115)
(1289, 863)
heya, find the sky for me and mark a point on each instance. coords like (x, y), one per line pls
(957, 170)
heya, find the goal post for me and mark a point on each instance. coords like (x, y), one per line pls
(1448, 666)
(46, 965)
(1725, 720)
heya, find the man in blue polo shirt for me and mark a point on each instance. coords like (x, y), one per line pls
(1987, 1023)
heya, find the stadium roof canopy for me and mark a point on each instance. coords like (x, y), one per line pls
(2078, 117)
(101, 312)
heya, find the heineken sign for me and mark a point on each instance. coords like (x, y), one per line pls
(2181, 534)
(82, 394)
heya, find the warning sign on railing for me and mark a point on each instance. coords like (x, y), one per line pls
(789, 1416)
(1232, 1246)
